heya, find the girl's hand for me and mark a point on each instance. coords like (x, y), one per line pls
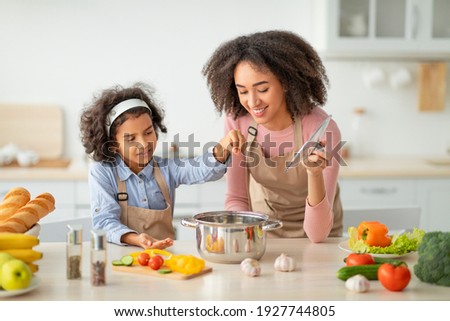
(232, 142)
(147, 242)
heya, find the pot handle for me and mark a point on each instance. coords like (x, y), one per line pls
(188, 222)
(271, 225)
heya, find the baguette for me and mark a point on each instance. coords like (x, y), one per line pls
(13, 200)
(29, 214)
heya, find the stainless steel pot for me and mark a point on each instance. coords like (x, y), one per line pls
(231, 236)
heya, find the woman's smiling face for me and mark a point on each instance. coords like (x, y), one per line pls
(137, 141)
(262, 95)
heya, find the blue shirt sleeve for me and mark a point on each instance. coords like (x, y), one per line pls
(105, 209)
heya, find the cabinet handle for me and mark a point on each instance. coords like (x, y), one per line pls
(415, 21)
(379, 190)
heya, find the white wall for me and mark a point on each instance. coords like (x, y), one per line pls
(56, 51)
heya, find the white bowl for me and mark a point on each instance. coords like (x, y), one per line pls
(34, 230)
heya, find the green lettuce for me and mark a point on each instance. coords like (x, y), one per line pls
(401, 244)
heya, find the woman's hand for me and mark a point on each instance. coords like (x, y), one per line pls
(316, 161)
(232, 142)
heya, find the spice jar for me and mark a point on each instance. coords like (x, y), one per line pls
(98, 257)
(73, 251)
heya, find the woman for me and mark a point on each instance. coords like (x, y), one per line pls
(271, 86)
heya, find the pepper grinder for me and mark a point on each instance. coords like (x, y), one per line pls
(98, 257)
(74, 251)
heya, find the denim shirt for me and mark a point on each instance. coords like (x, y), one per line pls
(143, 190)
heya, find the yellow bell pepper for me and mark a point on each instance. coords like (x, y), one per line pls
(185, 264)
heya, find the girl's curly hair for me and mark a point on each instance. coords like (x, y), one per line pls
(288, 56)
(94, 137)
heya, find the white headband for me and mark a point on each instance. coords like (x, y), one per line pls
(122, 107)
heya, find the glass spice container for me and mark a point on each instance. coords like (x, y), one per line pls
(98, 257)
(74, 251)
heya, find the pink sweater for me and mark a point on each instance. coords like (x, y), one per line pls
(318, 219)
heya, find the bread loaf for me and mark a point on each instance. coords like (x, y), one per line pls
(29, 214)
(13, 200)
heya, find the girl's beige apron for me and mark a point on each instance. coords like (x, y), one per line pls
(156, 223)
(279, 194)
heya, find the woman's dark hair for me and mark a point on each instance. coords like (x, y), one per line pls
(94, 137)
(288, 56)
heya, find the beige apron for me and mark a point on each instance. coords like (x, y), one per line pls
(279, 194)
(156, 223)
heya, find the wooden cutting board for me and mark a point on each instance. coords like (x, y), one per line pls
(145, 270)
(35, 127)
(43, 163)
(432, 85)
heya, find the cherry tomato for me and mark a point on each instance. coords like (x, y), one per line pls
(155, 262)
(359, 259)
(160, 258)
(143, 258)
(394, 278)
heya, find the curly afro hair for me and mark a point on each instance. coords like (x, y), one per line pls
(288, 56)
(94, 137)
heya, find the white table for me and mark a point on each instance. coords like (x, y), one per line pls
(314, 279)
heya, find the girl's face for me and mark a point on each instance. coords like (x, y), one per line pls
(262, 95)
(137, 141)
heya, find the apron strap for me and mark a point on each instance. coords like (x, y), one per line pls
(122, 198)
(161, 182)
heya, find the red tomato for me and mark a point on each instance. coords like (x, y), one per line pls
(155, 262)
(143, 258)
(359, 259)
(160, 258)
(394, 278)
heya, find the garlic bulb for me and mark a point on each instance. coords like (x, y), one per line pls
(357, 283)
(284, 263)
(250, 267)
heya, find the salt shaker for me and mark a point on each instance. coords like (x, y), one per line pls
(74, 251)
(98, 257)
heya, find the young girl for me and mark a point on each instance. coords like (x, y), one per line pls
(132, 191)
(271, 89)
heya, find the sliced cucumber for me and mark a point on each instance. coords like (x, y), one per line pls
(164, 271)
(127, 260)
(117, 263)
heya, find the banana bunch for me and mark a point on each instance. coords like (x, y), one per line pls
(21, 247)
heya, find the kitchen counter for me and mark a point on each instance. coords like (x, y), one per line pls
(76, 170)
(356, 168)
(396, 168)
(314, 278)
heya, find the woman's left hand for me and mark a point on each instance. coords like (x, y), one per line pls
(316, 161)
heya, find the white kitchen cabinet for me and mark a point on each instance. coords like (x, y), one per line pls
(431, 195)
(212, 195)
(346, 28)
(377, 192)
(434, 198)
(195, 199)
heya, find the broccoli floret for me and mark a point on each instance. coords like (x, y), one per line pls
(433, 265)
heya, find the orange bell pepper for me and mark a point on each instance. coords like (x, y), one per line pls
(374, 234)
